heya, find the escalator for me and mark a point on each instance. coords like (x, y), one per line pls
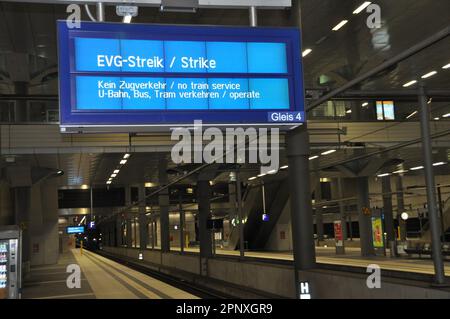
(257, 231)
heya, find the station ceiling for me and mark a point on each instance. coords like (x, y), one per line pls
(28, 60)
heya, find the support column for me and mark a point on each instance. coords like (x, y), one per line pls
(128, 217)
(204, 212)
(22, 207)
(341, 250)
(387, 209)
(143, 222)
(300, 199)
(182, 220)
(342, 208)
(431, 191)
(400, 207)
(119, 235)
(365, 227)
(163, 201)
(318, 212)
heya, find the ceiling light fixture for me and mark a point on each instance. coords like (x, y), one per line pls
(123, 162)
(328, 152)
(409, 83)
(401, 171)
(428, 75)
(306, 52)
(274, 171)
(348, 111)
(252, 178)
(411, 115)
(126, 156)
(439, 164)
(284, 167)
(113, 175)
(340, 25)
(416, 168)
(116, 171)
(365, 104)
(446, 66)
(313, 157)
(383, 175)
(362, 7)
(446, 115)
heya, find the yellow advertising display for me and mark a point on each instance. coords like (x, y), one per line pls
(377, 232)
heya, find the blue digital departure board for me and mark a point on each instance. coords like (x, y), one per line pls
(126, 75)
(75, 229)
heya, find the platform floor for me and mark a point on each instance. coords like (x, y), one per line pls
(101, 278)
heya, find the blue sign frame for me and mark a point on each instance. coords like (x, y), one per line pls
(126, 120)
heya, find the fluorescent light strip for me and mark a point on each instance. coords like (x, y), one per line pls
(274, 171)
(383, 175)
(428, 75)
(411, 115)
(126, 156)
(400, 171)
(340, 25)
(252, 178)
(439, 164)
(446, 66)
(113, 175)
(365, 104)
(262, 175)
(328, 152)
(306, 52)
(123, 162)
(116, 171)
(409, 83)
(284, 167)
(348, 111)
(446, 115)
(362, 7)
(313, 157)
(416, 168)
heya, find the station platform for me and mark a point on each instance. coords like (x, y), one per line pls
(101, 278)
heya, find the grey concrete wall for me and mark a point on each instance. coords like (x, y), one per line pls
(6, 209)
(273, 279)
(340, 285)
(43, 224)
(278, 280)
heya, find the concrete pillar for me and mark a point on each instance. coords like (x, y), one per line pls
(300, 199)
(365, 225)
(119, 234)
(204, 213)
(319, 217)
(400, 207)
(387, 209)
(342, 207)
(22, 208)
(128, 217)
(6, 207)
(143, 222)
(163, 201)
